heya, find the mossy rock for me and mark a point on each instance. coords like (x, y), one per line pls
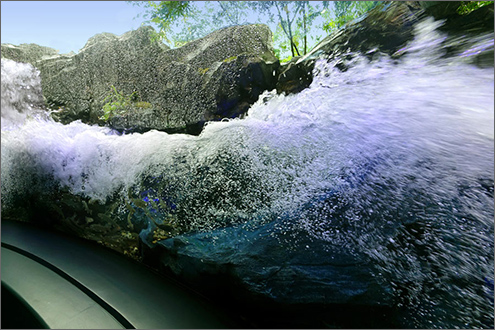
(185, 86)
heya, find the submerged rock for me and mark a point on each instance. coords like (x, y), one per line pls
(218, 76)
(334, 259)
(265, 268)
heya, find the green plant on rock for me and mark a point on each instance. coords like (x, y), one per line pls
(230, 59)
(203, 70)
(117, 103)
(142, 105)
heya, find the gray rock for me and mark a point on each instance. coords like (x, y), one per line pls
(27, 53)
(216, 77)
(387, 29)
(79, 84)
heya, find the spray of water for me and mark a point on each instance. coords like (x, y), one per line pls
(21, 93)
(393, 158)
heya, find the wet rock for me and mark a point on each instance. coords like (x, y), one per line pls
(276, 265)
(477, 22)
(440, 9)
(295, 76)
(386, 29)
(269, 269)
(218, 76)
(59, 209)
(383, 29)
(464, 30)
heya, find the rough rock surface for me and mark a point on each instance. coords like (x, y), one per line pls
(386, 29)
(78, 84)
(212, 78)
(27, 53)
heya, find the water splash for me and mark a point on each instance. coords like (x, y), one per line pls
(393, 158)
(21, 93)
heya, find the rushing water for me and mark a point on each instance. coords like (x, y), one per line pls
(392, 157)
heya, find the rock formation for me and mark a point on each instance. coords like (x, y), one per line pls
(218, 76)
(387, 29)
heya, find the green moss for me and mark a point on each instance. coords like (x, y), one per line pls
(142, 104)
(203, 71)
(230, 59)
(118, 103)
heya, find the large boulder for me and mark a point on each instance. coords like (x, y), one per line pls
(386, 29)
(77, 85)
(218, 76)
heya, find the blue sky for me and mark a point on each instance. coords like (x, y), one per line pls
(65, 25)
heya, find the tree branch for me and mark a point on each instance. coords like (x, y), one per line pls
(225, 10)
(283, 27)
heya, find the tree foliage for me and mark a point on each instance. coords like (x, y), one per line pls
(345, 11)
(294, 18)
(467, 7)
(294, 21)
(182, 21)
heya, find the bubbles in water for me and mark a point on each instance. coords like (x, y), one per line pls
(21, 92)
(393, 158)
